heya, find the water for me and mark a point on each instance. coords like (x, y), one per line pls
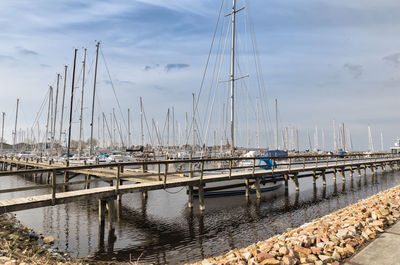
(162, 230)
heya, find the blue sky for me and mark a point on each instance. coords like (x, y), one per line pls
(322, 60)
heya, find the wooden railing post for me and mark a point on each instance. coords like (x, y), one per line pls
(159, 171)
(254, 166)
(165, 174)
(290, 163)
(202, 170)
(316, 161)
(273, 166)
(230, 168)
(304, 162)
(118, 176)
(53, 187)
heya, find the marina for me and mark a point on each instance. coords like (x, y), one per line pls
(163, 144)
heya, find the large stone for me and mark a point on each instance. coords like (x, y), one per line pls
(49, 240)
(302, 250)
(283, 250)
(325, 259)
(270, 261)
(384, 211)
(263, 256)
(288, 261)
(336, 255)
(349, 249)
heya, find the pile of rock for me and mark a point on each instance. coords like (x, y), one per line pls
(327, 240)
(20, 245)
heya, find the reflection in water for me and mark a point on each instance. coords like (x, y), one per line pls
(161, 229)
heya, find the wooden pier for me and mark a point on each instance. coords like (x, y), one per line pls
(123, 179)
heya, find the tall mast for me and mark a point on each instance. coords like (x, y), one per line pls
(48, 117)
(129, 128)
(168, 129)
(2, 131)
(173, 127)
(233, 77)
(382, 142)
(343, 138)
(194, 127)
(55, 112)
(141, 123)
(83, 91)
(103, 135)
(63, 101)
(258, 125)
(15, 127)
(276, 124)
(94, 94)
(70, 111)
(370, 142)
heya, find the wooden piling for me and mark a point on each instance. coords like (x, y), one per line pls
(54, 187)
(323, 178)
(246, 183)
(296, 182)
(87, 181)
(258, 189)
(201, 197)
(102, 210)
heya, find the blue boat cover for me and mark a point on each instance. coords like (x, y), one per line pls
(268, 162)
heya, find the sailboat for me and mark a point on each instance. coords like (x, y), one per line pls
(236, 187)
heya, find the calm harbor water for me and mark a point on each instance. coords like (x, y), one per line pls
(162, 230)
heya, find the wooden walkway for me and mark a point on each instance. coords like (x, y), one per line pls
(156, 180)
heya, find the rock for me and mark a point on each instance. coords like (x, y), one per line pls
(349, 249)
(247, 255)
(342, 233)
(283, 251)
(302, 250)
(311, 258)
(374, 216)
(288, 261)
(336, 255)
(384, 211)
(316, 251)
(321, 245)
(33, 235)
(11, 262)
(270, 261)
(263, 256)
(49, 240)
(325, 259)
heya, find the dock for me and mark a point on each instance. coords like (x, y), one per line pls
(190, 173)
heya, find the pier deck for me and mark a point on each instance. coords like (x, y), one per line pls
(144, 180)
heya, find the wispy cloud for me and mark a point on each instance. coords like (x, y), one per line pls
(6, 58)
(24, 51)
(175, 66)
(355, 70)
(150, 67)
(393, 59)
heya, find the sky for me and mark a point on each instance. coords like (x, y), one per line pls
(323, 60)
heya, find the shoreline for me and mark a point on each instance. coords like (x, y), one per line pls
(331, 239)
(21, 245)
